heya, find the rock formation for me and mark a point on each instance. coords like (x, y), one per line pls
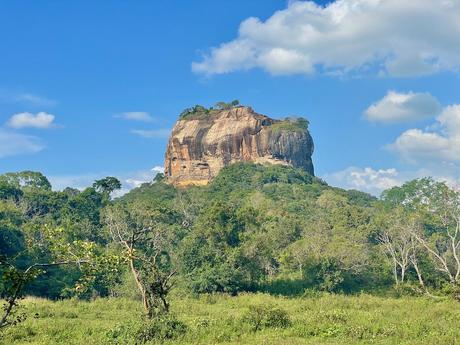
(204, 141)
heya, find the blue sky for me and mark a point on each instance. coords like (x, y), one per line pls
(89, 89)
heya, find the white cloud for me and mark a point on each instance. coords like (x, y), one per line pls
(154, 133)
(365, 179)
(381, 37)
(136, 116)
(28, 99)
(12, 144)
(24, 120)
(403, 107)
(158, 169)
(34, 100)
(129, 180)
(375, 182)
(439, 143)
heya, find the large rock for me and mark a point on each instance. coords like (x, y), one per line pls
(203, 142)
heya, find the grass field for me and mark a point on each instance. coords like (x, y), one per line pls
(220, 319)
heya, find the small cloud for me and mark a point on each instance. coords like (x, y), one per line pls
(12, 144)
(158, 169)
(366, 179)
(24, 120)
(34, 100)
(154, 133)
(136, 116)
(403, 107)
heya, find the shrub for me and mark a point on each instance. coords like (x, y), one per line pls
(290, 124)
(161, 329)
(198, 111)
(406, 289)
(157, 329)
(266, 316)
(451, 290)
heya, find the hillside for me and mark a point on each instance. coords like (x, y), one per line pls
(252, 217)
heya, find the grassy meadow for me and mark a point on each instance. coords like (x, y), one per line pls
(223, 319)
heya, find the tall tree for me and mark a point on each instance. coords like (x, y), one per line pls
(396, 235)
(107, 185)
(439, 207)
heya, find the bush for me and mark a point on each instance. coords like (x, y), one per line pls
(157, 329)
(291, 124)
(407, 289)
(451, 291)
(196, 112)
(161, 329)
(266, 316)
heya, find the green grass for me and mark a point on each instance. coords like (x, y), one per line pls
(290, 125)
(220, 319)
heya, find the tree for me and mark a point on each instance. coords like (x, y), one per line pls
(9, 191)
(211, 256)
(107, 185)
(71, 191)
(439, 208)
(27, 180)
(336, 238)
(399, 242)
(17, 272)
(444, 243)
(223, 105)
(142, 231)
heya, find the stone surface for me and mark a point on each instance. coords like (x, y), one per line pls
(200, 145)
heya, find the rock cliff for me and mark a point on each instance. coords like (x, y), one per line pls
(204, 141)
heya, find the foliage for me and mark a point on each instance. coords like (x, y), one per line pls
(195, 112)
(26, 180)
(290, 124)
(255, 228)
(200, 112)
(42, 235)
(107, 185)
(266, 316)
(16, 277)
(160, 328)
(145, 240)
(227, 106)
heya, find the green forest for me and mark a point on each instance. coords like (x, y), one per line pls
(263, 254)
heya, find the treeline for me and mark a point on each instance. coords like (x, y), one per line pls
(199, 109)
(254, 228)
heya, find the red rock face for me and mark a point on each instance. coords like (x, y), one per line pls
(199, 146)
